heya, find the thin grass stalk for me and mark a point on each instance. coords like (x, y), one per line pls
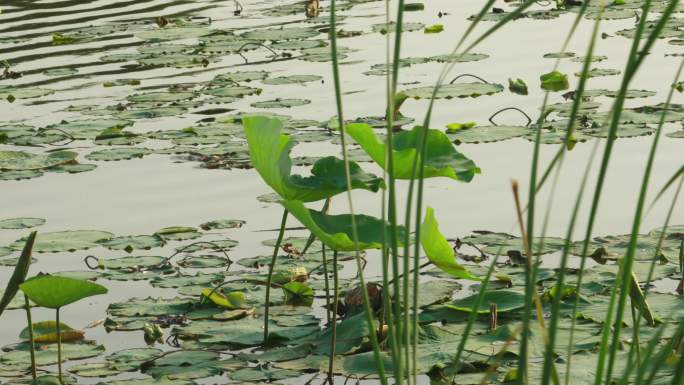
(626, 267)
(387, 308)
(555, 312)
(327, 287)
(269, 279)
(333, 334)
(338, 101)
(32, 342)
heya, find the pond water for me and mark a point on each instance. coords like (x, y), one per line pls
(115, 40)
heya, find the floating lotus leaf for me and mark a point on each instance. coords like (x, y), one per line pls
(336, 230)
(116, 154)
(94, 369)
(177, 233)
(630, 94)
(61, 72)
(46, 331)
(459, 58)
(501, 243)
(215, 245)
(203, 261)
(611, 14)
(87, 129)
(241, 333)
(263, 374)
(554, 81)
(594, 59)
(177, 60)
(293, 45)
(69, 240)
(559, 55)
(505, 300)
(292, 79)
(187, 280)
(20, 223)
(456, 90)
(676, 134)
(323, 54)
(280, 34)
(148, 381)
(54, 292)
(438, 250)
(25, 161)
(160, 97)
(277, 354)
(162, 49)
(72, 168)
(269, 151)
(46, 353)
(141, 262)
(232, 91)
(672, 233)
(486, 134)
(136, 307)
(184, 364)
(221, 224)
(133, 242)
(20, 175)
(9, 92)
(442, 160)
(131, 359)
(83, 275)
(173, 33)
(280, 103)
(596, 72)
(240, 76)
(616, 246)
(391, 27)
(625, 130)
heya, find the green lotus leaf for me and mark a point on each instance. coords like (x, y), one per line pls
(131, 359)
(298, 293)
(280, 103)
(137, 307)
(459, 58)
(391, 27)
(221, 224)
(19, 274)
(292, 79)
(21, 223)
(160, 97)
(203, 261)
(435, 28)
(269, 150)
(505, 300)
(292, 45)
(596, 72)
(23, 92)
(336, 230)
(54, 292)
(46, 331)
(46, 353)
(177, 233)
(263, 374)
(442, 160)
(187, 280)
(142, 262)
(69, 240)
(517, 86)
(148, 381)
(184, 365)
(86, 129)
(133, 242)
(438, 250)
(115, 154)
(554, 81)
(232, 300)
(173, 33)
(20, 175)
(94, 369)
(486, 134)
(24, 161)
(240, 76)
(456, 90)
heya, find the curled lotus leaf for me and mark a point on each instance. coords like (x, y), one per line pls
(269, 151)
(456, 90)
(336, 230)
(25, 161)
(70, 240)
(438, 250)
(442, 161)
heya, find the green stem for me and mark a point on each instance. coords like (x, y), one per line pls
(31, 340)
(59, 348)
(333, 335)
(327, 287)
(269, 280)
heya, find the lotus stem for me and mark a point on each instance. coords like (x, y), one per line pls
(680, 288)
(493, 316)
(59, 348)
(327, 286)
(88, 258)
(333, 335)
(215, 245)
(468, 76)
(269, 280)
(529, 120)
(239, 51)
(31, 341)
(312, 237)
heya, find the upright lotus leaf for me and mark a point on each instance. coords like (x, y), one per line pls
(270, 153)
(54, 292)
(438, 250)
(19, 274)
(554, 81)
(232, 300)
(298, 293)
(336, 230)
(442, 158)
